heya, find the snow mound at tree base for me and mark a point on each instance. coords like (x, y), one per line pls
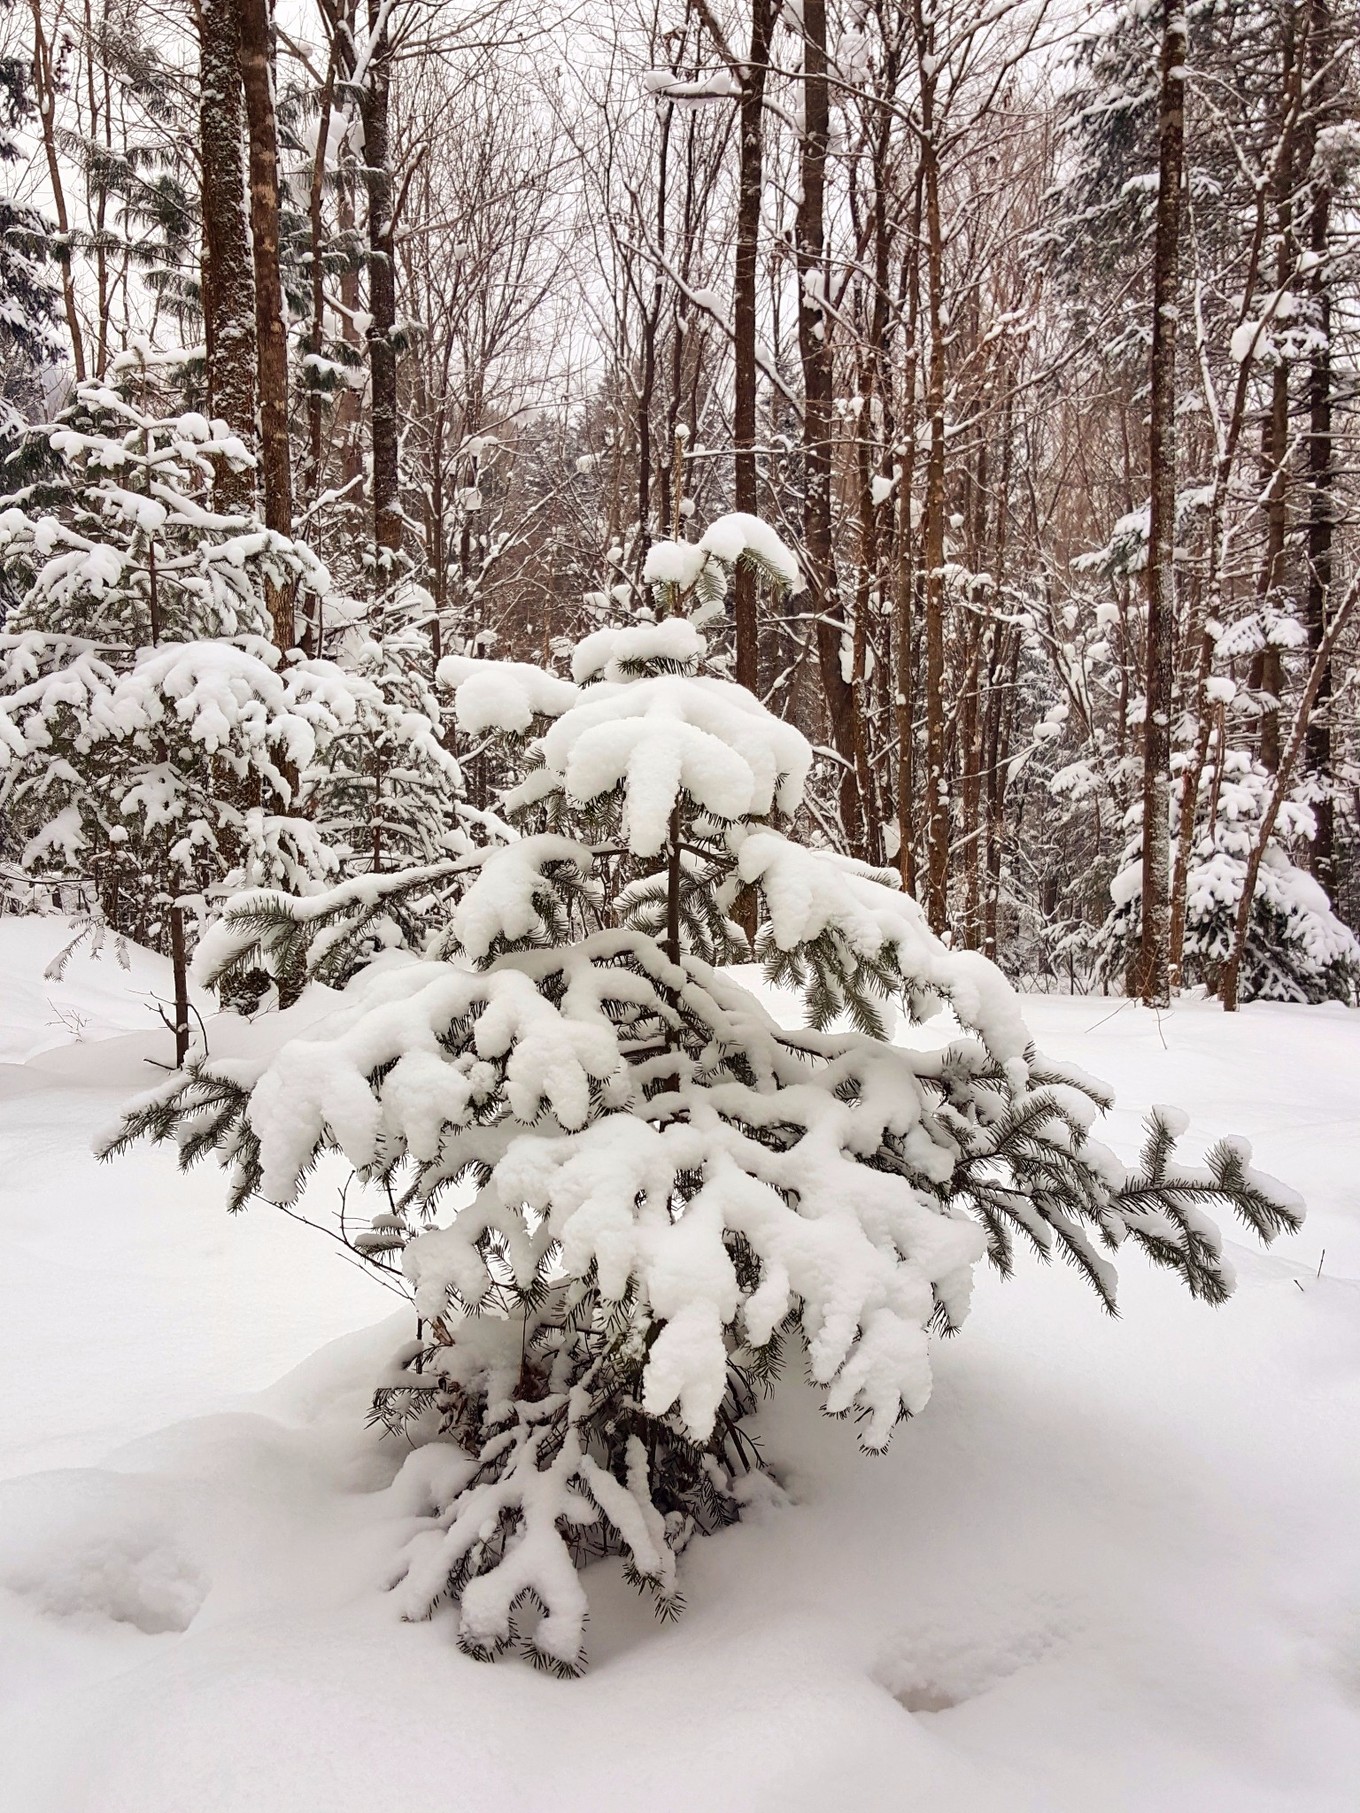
(1034, 1601)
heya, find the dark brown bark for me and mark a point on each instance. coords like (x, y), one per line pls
(271, 326)
(179, 967)
(874, 388)
(382, 295)
(1321, 505)
(316, 330)
(933, 504)
(1267, 674)
(1154, 977)
(651, 325)
(905, 573)
(1002, 667)
(814, 343)
(1001, 704)
(228, 280)
(101, 125)
(1268, 671)
(970, 714)
(673, 878)
(45, 85)
(750, 173)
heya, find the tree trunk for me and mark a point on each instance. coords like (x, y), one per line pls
(316, 327)
(1154, 981)
(271, 327)
(651, 326)
(933, 504)
(101, 115)
(46, 81)
(1267, 670)
(814, 344)
(751, 127)
(905, 574)
(179, 967)
(1318, 745)
(228, 279)
(349, 426)
(382, 296)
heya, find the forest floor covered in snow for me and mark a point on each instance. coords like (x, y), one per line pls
(1115, 1565)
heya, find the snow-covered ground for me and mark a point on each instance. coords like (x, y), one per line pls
(1114, 1566)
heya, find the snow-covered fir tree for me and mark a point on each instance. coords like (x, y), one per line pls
(1296, 950)
(381, 789)
(151, 737)
(28, 297)
(623, 1196)
(386, 793)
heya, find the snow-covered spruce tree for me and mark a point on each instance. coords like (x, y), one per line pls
(151, 738)
(115, 542)
(1297, 949)
(387, 794)
(28, 296)
(666, 1194)
(382, 788)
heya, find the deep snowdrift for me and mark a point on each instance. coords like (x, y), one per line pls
(1113, 1566)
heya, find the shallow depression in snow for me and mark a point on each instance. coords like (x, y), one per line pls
(938, 1663)
(99, 1547)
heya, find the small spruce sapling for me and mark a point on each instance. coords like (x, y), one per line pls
(623, 1194)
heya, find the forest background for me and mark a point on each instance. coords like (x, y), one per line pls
(1031, 328)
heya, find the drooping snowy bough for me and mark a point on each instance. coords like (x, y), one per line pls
(623, 1194)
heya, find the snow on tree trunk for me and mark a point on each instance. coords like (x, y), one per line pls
(750, 184)
(937, 812)
(1320, 461)
(1154, 981)
(814, 343)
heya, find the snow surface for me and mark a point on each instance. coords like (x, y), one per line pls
(96, 997)
(1113, 1566)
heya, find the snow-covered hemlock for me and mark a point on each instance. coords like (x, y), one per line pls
(118, 540)
(623, 1195)
(383, 789)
